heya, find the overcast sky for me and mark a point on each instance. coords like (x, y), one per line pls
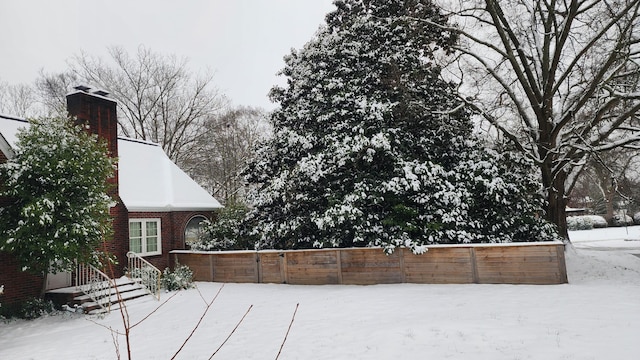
(242, 41)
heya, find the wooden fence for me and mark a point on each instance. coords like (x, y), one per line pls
(516, 263)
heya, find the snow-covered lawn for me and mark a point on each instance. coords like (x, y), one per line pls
(595, 316)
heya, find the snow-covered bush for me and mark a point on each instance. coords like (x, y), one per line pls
(621, 220)
(598, 221)
(35, 308)
(372, 148)
(60, 208)
(585, 222)
(636, 218)
(179, 279)
(225, 232)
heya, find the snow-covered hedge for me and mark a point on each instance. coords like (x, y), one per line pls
(225, 233)
(622, 220)
(586, 222)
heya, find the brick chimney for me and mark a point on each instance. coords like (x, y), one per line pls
(94, 110)
(97, 112)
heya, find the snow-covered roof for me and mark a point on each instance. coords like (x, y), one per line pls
(148, 180)
(8, 129)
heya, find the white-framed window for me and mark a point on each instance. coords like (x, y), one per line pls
(144, 236)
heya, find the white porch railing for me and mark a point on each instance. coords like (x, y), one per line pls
(95, 284)
(143, 272)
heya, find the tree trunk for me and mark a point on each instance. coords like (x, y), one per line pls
(557, 202)
(557, 213)
(554, 183)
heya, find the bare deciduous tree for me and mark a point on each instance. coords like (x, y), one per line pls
(559, 79)
(52, 90)
(160, 100)
(18, 100)
(609, 180)
(225, 148)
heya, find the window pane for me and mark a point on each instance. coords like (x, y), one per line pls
(152, 244)
(152, 228)
(135, 245)
(135, 229)
(193, 230)
(135, 236)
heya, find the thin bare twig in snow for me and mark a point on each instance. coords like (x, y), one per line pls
(289, 329)
(199, 321)
(116, 343)
(154, 310)
(231, 333)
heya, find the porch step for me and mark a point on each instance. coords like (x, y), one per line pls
(127, 288)
(74, 298)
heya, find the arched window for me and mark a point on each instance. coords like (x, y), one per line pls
(193, 230)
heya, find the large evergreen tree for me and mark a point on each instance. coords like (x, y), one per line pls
(371, 147)
(59, 208)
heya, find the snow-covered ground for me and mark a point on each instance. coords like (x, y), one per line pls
(595, 316)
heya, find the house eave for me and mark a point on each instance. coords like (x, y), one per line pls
(171, 208)
(6, 148)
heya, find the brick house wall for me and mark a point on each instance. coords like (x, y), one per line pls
(173, 225)
(18, 285)
(118, 245)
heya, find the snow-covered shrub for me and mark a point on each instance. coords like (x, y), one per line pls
(579, 223)
(225, 232)
(585, 222)
(34, 308)
(636, 218)
(598, 221)
(59, 182)
(180, 278)
(621, 220)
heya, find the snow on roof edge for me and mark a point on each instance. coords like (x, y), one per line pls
(170, 208)
(75, 91)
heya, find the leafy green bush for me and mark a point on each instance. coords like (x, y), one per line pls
(30, 309)
(226, 232)
(180, 278)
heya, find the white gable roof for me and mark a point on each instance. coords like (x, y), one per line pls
(148, 180)
(8, 129)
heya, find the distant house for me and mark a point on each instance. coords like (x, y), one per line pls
(158, 206)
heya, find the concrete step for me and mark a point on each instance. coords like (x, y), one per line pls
(91, 306)
(73, 297)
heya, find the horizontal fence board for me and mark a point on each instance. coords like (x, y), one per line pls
(370, 267)
(439, 266)
(200, 264)
(239, 268)
(271, 268)
(540, 263)
(524, 265)
(312, 267)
